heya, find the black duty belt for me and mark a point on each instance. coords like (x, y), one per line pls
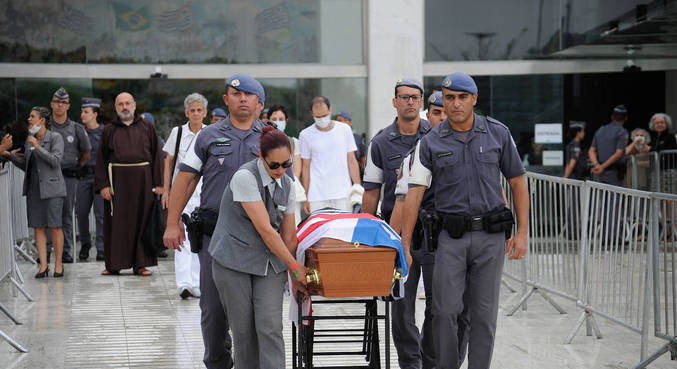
(71, 172)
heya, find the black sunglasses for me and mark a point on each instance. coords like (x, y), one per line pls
(275, 165)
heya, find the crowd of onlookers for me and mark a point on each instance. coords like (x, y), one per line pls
(60, 156)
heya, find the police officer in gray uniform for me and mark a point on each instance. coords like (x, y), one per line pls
(576, 159)
(462, 159)
(218, 151)
(607, 151)
(86, 194)
(386, 152)
(75, 154)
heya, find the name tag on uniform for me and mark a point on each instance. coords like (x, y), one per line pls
(223, 144)
(395, 157)
(282, 208)
(441, 155)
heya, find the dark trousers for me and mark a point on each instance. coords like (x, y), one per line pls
(214, 322)
(415, 349)
(87, 198)
(467, 273)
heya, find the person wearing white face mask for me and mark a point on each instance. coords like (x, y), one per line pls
(328, 160)
(44, 186)
(277, 115)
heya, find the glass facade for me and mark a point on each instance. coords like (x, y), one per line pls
(182, 31)
(534, 29)
(164, 98)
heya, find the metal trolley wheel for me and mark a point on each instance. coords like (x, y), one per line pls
(306, 336)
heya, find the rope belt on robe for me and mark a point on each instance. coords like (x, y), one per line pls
(110, 176)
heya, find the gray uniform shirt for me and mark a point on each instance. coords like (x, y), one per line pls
(94, 139)
(386, 152)
(218, 151)
(236, 244)
(75, 141)
(465, 175)
(609, 138)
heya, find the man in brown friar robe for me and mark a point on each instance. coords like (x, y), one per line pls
(128, 171)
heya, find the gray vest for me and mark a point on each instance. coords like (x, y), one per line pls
(235, 243)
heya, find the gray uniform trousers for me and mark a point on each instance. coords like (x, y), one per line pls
(473, 262)
(414, 348)
(214, 321)
(87, 198)
(256, 301)
(67, 215)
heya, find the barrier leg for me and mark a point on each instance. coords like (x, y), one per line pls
(21, 252)
(12, 342)
(9, 314)
(588, 318)
(505, 283)
(665, 348)
(523, 300)
(551, 301)
(21, 289)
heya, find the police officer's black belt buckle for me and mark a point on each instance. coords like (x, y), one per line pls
(476, 223)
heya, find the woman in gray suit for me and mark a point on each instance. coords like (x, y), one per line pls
(44, 186)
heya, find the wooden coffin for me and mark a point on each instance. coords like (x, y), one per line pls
(348, 270)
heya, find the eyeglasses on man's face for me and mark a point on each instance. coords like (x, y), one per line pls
(405, 98)
(61, 102)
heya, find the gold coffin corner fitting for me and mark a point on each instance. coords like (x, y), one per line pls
(313, 276)
(397, 274)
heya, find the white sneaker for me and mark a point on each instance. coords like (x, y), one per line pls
(195, 292)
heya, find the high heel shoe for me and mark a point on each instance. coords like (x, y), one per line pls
(42, 274)
(57, 274)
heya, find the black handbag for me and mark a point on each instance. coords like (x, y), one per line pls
(152, 235)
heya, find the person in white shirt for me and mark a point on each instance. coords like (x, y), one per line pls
(186, 263)
(329, 167)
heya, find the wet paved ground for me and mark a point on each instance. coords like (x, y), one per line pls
(86, 320)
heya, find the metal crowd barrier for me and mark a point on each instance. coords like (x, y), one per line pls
(7, 262)
(22, 236)
(609, 249)
(664, 276)
(553, 260)
(653, 171)
(616, 239)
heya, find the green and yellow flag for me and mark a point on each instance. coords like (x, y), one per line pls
(129, 19)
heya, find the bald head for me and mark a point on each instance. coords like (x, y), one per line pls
(125, 107)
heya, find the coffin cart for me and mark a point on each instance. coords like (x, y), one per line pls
(345, 274)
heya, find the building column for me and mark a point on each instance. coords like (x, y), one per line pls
(395, 34)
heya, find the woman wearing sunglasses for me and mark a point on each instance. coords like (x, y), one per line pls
(253, 248)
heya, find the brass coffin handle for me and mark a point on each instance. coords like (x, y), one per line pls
(313, 276)
(397, 275)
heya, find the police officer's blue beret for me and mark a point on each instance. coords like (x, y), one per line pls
(620, 109)
(219, 113)
(149, 117)
(245, 82)
(460, 82)
(61, 93)
(91, 102)
(345, 114)
(409, 82)
(436, 99)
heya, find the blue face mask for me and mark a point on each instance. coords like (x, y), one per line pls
(34, 130)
